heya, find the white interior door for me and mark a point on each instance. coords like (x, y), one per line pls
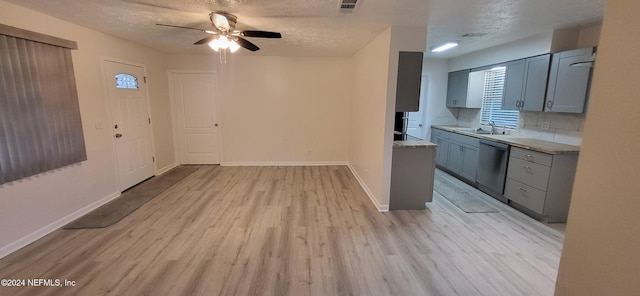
(415, 126)
(196, 118)
(131, 126)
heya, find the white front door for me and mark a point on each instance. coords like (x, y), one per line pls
(196, 118)
(131, 126)
(415, 126)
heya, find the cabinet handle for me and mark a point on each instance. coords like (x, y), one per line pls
(526, 167)
(461, 148)
(528, 155)
(523, 190)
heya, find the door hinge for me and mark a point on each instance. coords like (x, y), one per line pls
(145, 79)
(153, 158)
(149, 120)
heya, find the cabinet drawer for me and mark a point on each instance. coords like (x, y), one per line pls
(467, 140)
(527, 196)
(529, 173)
(532, 156)
(440, 133)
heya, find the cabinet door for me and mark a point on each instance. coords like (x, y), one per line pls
(457, 88)
(409, 79)
(441, 151)
(513, 83)
(535, 86)
(469, 162)
(568, 85)
(452, 89)
(454, 159)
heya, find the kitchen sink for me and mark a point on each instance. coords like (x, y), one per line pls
(478, 131)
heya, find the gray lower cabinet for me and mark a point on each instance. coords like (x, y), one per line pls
(456, 153)
(569, 80)
(441, 138)
(462, 158)
(526, 84)
(540, 184)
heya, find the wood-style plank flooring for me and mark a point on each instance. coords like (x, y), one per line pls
(292, 231)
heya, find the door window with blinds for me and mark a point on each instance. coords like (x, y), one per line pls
(491, 110)
(40, 124)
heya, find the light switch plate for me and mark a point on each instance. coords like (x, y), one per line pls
(99, 125)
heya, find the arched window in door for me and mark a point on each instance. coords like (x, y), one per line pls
(126, 81)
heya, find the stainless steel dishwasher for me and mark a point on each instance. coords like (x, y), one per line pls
(492, 168)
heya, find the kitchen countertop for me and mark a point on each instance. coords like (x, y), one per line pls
(413, 144)
(516, 141)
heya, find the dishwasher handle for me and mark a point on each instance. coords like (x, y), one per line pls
(497, 145)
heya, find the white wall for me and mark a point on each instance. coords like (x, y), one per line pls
(373, 108)
(526, 47)
(32, 207)
(368, 110)
(600, 254)
(280, 110)
(436, 112)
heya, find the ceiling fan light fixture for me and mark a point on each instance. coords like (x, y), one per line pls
(223, 42)
(233, 46)
(444, 46)
(215, 44)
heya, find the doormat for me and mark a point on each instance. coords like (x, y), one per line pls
(131, 199)
(467, 199)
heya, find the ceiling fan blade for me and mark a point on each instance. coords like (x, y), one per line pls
(260, 34)
(181, 27)
(205, 40)
(247, 44)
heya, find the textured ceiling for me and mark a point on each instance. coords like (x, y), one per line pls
(316, 27)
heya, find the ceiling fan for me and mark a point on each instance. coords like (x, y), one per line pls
(224, 34)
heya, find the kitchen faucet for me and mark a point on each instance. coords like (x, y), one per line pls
(493, 127)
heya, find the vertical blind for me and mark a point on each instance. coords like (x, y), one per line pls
(492, 101)
(40, 124)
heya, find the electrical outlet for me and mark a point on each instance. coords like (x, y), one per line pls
(544, 125)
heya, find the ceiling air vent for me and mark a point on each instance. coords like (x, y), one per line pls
(348, 6)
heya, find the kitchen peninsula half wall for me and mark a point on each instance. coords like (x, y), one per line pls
(412, 174)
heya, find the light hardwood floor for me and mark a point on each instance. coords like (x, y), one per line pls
(293, 231)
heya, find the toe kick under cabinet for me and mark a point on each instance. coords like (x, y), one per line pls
(540, 184)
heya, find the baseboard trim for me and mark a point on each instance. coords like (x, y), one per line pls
(166, 169)
(38, 234)
(285, 163)
(372, 197)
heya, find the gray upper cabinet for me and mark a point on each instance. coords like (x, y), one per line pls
(513, 82)
(568, 85)
(526, 84)
(457, 88)
(409, 79)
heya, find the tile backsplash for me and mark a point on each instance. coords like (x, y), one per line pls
(562, 128)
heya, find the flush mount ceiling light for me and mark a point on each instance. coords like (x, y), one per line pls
(444, 46)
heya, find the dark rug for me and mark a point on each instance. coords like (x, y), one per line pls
(131, 199)
(467, 199)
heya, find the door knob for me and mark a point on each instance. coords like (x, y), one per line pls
(118, 135)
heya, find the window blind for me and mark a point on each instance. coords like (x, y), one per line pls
(40, 124)
(491, 109)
